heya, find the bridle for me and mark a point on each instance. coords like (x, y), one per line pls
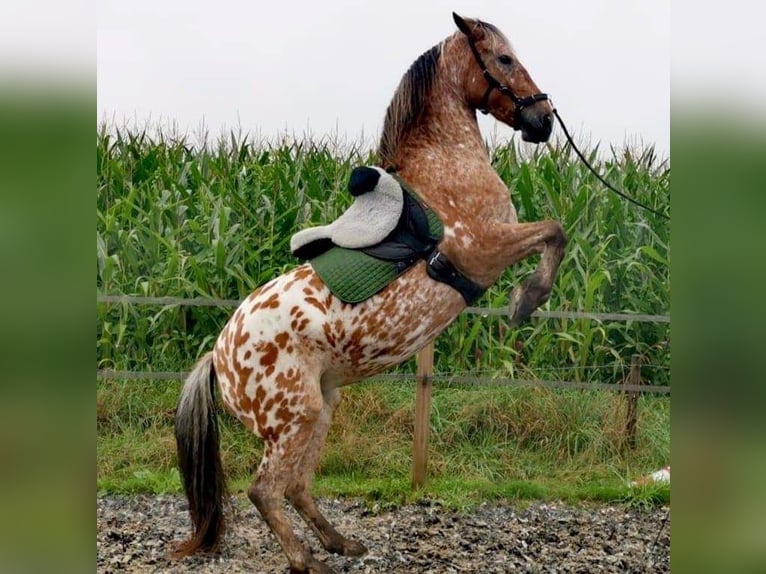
(494, 84)
(521, 103)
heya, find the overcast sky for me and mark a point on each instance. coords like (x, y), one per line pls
(298, 66)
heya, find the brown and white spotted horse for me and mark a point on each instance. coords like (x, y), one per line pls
(282, 357)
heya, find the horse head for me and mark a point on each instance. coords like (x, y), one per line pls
(497, 82)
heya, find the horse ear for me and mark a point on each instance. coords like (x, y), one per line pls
(466, 26)
(461, 24)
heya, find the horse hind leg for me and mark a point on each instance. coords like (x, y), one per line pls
(299, 491)
(279, 468)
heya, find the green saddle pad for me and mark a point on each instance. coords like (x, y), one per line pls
(353, 276)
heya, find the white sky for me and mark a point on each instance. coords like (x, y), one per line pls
(298, 66)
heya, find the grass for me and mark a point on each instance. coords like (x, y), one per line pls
(486, 444)
(214, 219)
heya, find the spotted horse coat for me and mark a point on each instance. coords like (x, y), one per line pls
(291, 342)
(282, 357)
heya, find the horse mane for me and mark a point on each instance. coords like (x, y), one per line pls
(407, 104)
(411, 97)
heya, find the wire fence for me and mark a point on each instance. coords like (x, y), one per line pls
(441, 378)
(484, 311)
(109, 374)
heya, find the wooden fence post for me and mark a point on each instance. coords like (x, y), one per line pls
(634, 378)
(422, 415)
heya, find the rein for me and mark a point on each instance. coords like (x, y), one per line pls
(598, 175)
(521, 103)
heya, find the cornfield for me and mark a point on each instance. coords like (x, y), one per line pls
(214, 219)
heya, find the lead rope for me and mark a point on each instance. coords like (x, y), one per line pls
(598, 175)
(521, 103)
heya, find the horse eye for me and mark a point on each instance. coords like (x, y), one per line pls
(505, 60)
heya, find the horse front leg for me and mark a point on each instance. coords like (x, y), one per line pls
(521, 240)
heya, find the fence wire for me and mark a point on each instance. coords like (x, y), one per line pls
(484, 311)
(111, 375)
(446, 378)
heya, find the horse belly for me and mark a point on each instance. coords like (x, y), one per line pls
(387, 329)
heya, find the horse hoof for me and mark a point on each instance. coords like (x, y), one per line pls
(346, 547)
(353, 548)
(318, 567)
(314, 566)
(519, 307)
(527, 297)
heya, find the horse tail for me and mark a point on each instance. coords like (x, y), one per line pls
(199, 458)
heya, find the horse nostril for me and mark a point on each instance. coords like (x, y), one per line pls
(548, 121)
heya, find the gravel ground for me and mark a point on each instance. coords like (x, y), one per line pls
(135, 534)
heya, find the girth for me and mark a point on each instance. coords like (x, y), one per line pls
(441, 269)
(412, 240)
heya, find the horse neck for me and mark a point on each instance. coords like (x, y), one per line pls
(445, 160)
(447, 130)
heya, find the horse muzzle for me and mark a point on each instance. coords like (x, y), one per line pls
(536, 127)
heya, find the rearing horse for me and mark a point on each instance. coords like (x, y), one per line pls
(284, 353)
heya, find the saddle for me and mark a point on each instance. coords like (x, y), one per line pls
(386, 231)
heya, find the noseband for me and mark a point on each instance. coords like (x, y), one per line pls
(494, 84)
